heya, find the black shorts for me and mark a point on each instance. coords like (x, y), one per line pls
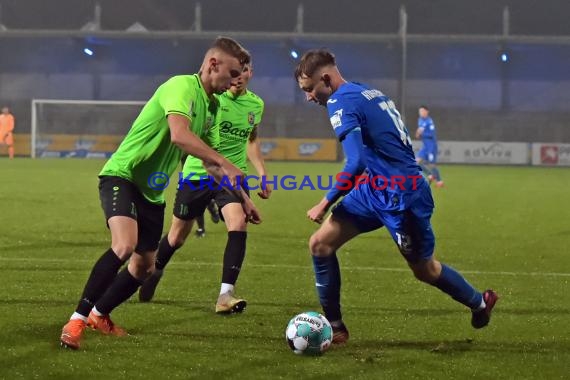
(120, 197)
(192, 199)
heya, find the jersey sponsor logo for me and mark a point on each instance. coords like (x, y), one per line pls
(308, 149)
(251, 118)
(332, 101)
(549, 154)
(336, 119)
(227, 128)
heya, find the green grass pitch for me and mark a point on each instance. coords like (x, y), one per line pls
(507, 228)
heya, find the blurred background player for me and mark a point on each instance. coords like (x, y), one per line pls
(404, 211)
(174, 120)
(240, 113)
(212, 209)
(428, 153)
(214, 215)
(7, 123)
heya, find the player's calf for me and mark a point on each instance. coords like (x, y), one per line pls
(148, 288)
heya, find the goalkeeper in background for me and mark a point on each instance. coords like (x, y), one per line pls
(7, 130)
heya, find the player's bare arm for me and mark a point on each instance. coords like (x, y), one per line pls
(181, 136)
(251, 212)
(419, 133)
(317, 212)
(256, 157)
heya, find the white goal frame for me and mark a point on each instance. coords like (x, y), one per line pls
(35, 102)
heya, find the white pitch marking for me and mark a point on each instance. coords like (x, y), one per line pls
(282, 266)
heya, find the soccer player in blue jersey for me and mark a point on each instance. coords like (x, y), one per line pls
(393, 194)
(428, 153)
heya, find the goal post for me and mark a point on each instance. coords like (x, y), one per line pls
(80, 128)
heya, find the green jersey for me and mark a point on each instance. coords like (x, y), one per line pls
(147, 148)
(236, 118)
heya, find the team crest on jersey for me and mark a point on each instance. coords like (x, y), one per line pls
(251, 118)
(208, 123)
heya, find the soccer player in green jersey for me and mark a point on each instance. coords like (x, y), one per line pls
(175, 120)
(240, 114)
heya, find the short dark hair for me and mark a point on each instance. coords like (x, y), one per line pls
(313, 60)
(424, 107)
(233, 48)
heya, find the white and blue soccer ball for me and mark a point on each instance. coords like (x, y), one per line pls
(309, 333)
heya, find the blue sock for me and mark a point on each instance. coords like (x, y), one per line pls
(435, 172)
(453, 283)
(327, 275)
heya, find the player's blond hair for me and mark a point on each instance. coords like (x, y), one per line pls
(233, 48)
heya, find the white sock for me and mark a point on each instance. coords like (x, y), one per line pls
(227, 288)
(482, 306)
(76, 315)
(96, 312)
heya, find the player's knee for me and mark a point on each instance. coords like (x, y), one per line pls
(177, 237)
(318, 247)
(235, 217)
(177, 240)
(123, 250)
(426, 271)
(237, 225)
(424, 276)
(140, 269)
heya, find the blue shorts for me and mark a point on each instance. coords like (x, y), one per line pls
(428, 153)
(410, 228)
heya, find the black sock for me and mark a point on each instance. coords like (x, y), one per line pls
(233, 256)
(102, 275)
(124, 286)
(165, 252)
(200, 222)
(212, 208)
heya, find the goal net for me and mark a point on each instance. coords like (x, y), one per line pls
(80, 128)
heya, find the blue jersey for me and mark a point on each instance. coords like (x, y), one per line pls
(429, 136)
(386, 146)
(353, 165)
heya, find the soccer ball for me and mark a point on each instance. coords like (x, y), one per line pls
(309, 333)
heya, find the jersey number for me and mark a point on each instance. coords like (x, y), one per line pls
(390, 107)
